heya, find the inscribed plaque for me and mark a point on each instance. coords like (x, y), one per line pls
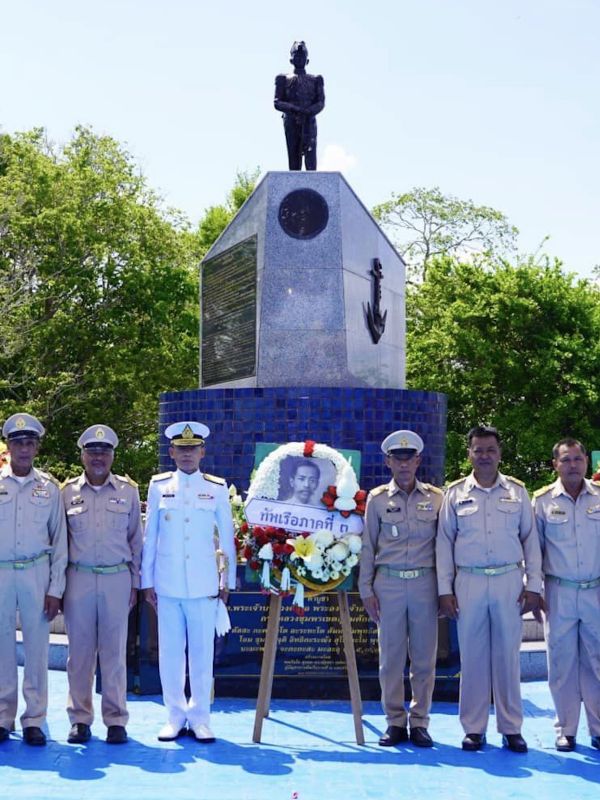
(229, 314)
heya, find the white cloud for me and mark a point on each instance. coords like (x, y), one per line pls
(336, 159)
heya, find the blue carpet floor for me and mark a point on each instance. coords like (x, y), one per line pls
(307, 753)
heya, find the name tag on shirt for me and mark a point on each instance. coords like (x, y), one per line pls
(168, 495)
(426, 505)
(463, 501)
(510, 499)
(118, 501)
(202, 496)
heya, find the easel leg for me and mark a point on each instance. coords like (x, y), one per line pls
(351, 666)
(267, 669)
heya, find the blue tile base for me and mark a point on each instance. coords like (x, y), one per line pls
(341, 417)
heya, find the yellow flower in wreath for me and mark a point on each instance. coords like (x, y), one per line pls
(303, 548)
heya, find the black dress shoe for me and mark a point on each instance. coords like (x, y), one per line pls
(565, 743)
(79, 733)
(514, 742)
(4, 734)
(420, 737)
(116, 734)
(34, 736)
(393, 736)
(595, 742)
(473, 741)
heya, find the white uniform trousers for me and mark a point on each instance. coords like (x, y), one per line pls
(196, 617)
(26, 590)
(489, 638)
(573, 636)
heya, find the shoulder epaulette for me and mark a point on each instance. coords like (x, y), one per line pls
(162, 476)
(126, 479)
(431, 488)
(214, 479)
(456, 482)
(68, 481)
(515, 480)
(543, 490)
(595, 483)
(378, 490)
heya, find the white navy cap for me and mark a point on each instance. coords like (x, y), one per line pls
(98, 436)
(402, 443)
(187, 433)
(22, 426)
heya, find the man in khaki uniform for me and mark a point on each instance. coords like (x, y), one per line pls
(568, 519)
(105, 545)
(33, 557)
(486, 533)
(398, 586)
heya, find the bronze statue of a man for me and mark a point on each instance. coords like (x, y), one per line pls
(300, 97)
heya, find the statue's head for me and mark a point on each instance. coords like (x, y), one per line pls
(299, 54)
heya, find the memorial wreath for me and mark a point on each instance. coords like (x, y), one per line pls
(316, 547)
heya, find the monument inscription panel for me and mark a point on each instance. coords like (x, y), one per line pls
(229, 314)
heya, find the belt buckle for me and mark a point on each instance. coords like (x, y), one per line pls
(18, 565)
(411, 573)
(489, 571)
(97, 570)
(585, 584)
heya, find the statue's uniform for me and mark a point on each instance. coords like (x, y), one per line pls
(569, 533)
(180, 563)
(306, 91)
(105, 546)
(486, 537)
(397, 565)
(33, 558)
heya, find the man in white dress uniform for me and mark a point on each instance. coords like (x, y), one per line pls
(181, 577)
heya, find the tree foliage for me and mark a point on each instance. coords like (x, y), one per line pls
(424, 223)
(217, 218)
(98, 295)
(515, 346)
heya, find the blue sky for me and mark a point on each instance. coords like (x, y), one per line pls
(492, 100)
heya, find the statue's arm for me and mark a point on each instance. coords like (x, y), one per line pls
(319, 102)
(281, 104)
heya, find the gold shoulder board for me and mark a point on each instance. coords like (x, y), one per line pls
(214, 479)
(162, 476)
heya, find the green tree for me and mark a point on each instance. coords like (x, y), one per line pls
(424, 223)
(217, 218)
(515, 346)
(98, 295)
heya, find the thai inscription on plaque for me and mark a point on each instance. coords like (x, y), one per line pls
(229, 314)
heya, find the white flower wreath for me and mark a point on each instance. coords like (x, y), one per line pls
(266, 480)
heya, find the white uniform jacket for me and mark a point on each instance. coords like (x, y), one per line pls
(183, 515)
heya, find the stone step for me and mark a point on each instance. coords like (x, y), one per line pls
(533, 631)
(533, 656)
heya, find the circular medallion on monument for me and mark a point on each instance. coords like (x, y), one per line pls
(303, 214)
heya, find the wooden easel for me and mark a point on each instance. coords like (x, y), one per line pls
(265, 686)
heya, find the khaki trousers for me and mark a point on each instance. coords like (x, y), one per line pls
(573, 636)
(96, 609)
(408, 626)
(489, 637)
(24, 589)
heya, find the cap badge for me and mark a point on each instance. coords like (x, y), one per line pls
(20, 423)
(404, 442)
(99, 433)
(187, 433)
